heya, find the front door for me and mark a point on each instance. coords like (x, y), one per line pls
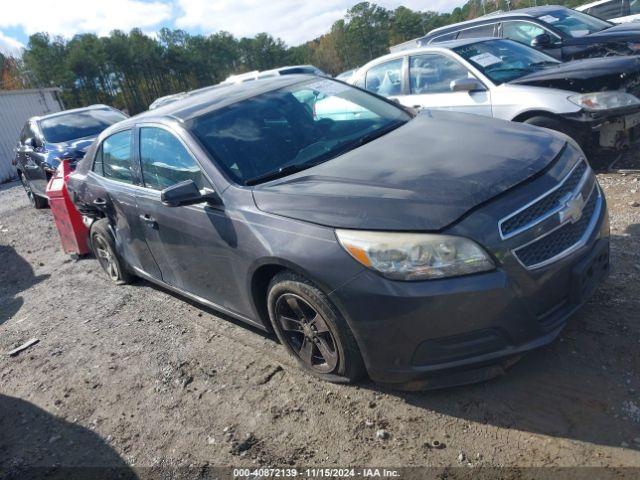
(523, 31)
(430, 77)
(194, 245)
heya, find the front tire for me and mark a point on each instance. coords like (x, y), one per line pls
(313, 330)
(104, 248)
(36, 201)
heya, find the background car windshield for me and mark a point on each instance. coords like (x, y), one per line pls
(503, 61)
(71, 126)
(296, 126)
(574, 23)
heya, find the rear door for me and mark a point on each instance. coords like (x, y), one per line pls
(114, 180)
(32, 160)
(19, 149)
(430, 77)
(386, 79)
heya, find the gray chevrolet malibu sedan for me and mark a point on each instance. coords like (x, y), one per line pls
(425, 250)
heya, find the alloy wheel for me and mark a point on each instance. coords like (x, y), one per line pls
(105, 258)
(27, 188)
(307, 332)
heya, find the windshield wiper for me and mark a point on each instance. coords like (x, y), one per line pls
(544, 63)
(281, 172)
(509, 69)
(370, 137)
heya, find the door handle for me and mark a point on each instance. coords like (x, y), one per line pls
(149, 220)
(100, 202)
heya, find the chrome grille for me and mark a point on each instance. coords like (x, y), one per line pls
(561, 240)
(543, 207)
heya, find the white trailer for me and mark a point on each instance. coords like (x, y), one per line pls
(16, 106)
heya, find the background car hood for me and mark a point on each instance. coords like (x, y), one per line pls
(624, 32)
(421, 176)
(73, 149)
(588, 75)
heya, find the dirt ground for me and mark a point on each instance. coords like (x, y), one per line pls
(134, 376)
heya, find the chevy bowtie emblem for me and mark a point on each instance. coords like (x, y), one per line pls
(571, 208)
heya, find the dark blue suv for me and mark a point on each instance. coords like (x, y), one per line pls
(45, 140)
(558, 31)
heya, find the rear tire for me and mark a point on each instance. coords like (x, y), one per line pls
(104, 248)
(312, 329)
(36, 201)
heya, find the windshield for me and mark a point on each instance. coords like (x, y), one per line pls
(71, 126)
(503, 60)
(574, 23)
(293, 128)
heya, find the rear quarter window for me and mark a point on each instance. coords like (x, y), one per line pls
(478, 32)
(116, 157)
(444, 37)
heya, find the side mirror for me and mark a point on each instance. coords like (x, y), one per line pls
(187, 193)
(541, 41)
(466, 85)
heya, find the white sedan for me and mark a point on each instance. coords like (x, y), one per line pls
(592, 100)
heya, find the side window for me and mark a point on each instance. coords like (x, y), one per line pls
(165, 161)
(434, 73)
(116, 157)
(97, 163)
(607, 10)
(478, 32)
(634, 7)
(444, 38)
(523, 32)
(385, 79)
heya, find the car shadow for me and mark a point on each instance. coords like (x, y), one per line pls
(16, 275)
(35, 444)
(140, 282)
(9, 184)
(584, 386)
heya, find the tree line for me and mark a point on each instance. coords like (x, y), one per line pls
(130, 70)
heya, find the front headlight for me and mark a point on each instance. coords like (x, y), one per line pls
(604, 100)
(415, 256)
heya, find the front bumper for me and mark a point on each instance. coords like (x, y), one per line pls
(417, 335)
(610, 129)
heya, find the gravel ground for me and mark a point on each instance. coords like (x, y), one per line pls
(135, 376)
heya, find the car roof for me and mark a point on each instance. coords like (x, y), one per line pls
(521, 12)
(215, 98)
(73, 110)
(448, 45)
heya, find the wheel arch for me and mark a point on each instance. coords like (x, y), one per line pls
(260, 276)
(526, 115)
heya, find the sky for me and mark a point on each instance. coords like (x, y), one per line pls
(295, 21)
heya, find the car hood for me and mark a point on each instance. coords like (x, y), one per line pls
(73, 149)
(588, 75)
(422, 176)
(622, 32)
